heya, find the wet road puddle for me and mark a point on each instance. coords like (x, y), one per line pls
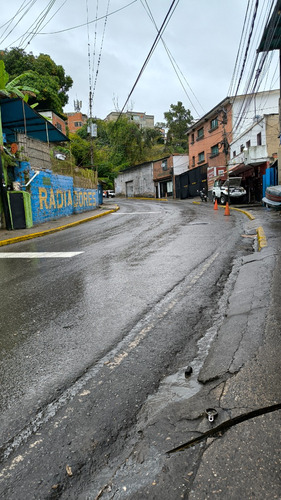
(177, 387)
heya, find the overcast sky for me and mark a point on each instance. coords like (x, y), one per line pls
(202, 36)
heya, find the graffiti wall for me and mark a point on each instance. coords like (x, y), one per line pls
(53, 196)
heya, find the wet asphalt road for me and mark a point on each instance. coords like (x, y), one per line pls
(84, 340)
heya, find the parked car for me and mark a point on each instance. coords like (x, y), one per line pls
(108, 193)
(231, 187)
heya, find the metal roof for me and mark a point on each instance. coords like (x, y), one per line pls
(271, 38)
(18, 116)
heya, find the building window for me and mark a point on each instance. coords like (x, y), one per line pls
(248, 144)
(234, 154)
(58, 126)
(193, 161)
(214, 123)
(192, 138)
(164, 165)
(241, 148)
(214, 150)
(201, 157)
(77, 124)
(200, 133)
(259, 139)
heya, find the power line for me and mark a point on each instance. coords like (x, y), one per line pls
(162, 28)
(12, 19)
(101, 47)
(90, 22)
(173, 62)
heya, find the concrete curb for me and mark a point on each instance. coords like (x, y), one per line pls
(150, 199)
(249, 215)
(18, 239)
(262, 241)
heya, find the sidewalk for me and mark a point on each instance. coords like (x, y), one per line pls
(17, 235)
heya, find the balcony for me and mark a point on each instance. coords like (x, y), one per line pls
(255, 155)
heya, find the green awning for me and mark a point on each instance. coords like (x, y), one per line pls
(271, 38)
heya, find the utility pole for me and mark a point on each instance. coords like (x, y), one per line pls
(92, 130)
(225, 145)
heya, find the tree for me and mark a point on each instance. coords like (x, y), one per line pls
(118, 145)
(42, 73)
(13, 88)
(178, 120)
(9, 88)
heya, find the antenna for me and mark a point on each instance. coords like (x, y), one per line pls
(77, 105)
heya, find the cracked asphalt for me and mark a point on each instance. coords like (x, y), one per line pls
(174, 451)
(179, 453)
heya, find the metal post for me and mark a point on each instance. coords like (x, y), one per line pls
(279, 149)
(4, 196)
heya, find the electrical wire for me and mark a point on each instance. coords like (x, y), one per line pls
(90, 22)
(173, 61)
(156, 41)
(101, 47)
(255, 77)
(37, 23)
(23, 15)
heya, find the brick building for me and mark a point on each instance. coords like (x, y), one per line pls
(75, 121)
(218, 132)
(58, 121)
(209, 136)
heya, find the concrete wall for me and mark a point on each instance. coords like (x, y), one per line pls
(38, 152)
(251, 106)
(267, 126)
(272, 134)
(141, 177)
(53, 196)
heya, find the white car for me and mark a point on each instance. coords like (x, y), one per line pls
(231, 188)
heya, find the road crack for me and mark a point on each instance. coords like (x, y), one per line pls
(219, 430)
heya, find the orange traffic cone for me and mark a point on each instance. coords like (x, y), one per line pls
(216, 204)
(226, 212)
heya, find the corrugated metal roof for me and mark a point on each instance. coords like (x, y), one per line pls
(271, 38)
(18, 116)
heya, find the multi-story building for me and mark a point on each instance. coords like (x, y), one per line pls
(253, 152)
(75, 121)
(141, 119)
(211, 136)
(208, 139)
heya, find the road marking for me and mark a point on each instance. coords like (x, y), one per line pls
(38, 255)
(111, 361)
(159, 314)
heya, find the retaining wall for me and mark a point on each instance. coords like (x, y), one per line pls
(54, 196)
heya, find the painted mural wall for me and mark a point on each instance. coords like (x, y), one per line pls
(54, 196)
